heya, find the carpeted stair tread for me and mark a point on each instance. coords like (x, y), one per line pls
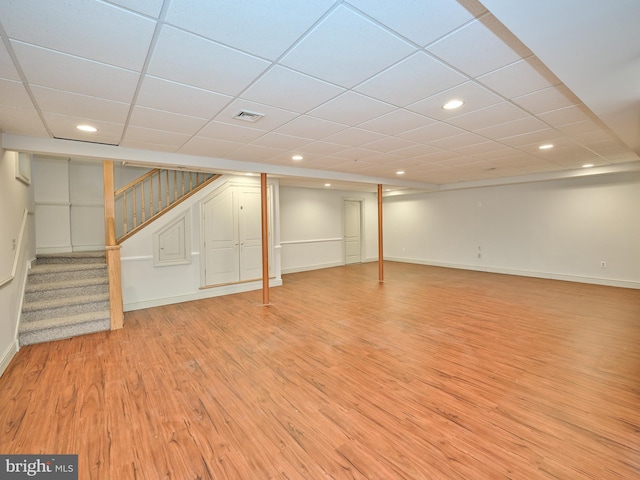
(64, 301)
(59, 285)
(65, 267)
(66, 320)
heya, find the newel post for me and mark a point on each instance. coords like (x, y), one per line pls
(112, 248)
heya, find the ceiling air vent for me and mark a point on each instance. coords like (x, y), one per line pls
(247, 116)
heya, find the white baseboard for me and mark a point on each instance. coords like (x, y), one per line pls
(8, 355)
(201, 294)
(524, 273)
(307, 268)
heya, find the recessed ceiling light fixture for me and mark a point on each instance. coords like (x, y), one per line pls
(297, 158)
(87, 128)
(400, 172)
(546, 146)
(453, 104)
(587, 165)
(327, 184)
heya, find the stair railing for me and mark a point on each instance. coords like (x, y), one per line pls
(151, 195)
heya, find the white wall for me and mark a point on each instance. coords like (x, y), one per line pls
(145, 285)
(312, 227)
(69, 204)
(15, 198)
(556, 229)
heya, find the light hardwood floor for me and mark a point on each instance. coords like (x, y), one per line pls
(435, 374)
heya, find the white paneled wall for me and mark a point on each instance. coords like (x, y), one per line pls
(69, 205)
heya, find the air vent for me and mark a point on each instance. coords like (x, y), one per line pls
(247, 116)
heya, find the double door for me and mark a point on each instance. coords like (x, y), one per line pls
(233, 236)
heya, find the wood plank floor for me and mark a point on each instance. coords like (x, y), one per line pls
(435, 374)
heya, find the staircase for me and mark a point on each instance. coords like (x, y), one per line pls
(66, 295)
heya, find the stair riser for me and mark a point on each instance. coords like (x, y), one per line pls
(47, 277)
(65, 293)
(67, 331)
(63, 311)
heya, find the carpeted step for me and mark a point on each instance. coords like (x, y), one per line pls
(48, 273)
(66, 295)
(71, 258)
(64, 327)
(58, 307)
(79, 286)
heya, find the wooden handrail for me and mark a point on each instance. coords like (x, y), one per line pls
(170, 201)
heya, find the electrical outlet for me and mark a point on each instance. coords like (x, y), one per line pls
(603, 264)
(13, 244)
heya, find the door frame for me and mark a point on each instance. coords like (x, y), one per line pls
(360, 201)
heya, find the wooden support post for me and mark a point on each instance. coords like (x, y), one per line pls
(380, 249)
(112, 248)
(265, 239)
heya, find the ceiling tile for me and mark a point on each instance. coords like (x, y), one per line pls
(431, 133)
(547, 100)
(458, 141)
(186, 58)
(321, 148)
(254, 153)
(517, 127)
(278, 140)
(421, 22)
(147, 7)
(245, 25)
(161, 120)
(7, 68)
(273, 117)
(291, 90)
(488, 116)
(63, 126)
(233, 133)
(156, 137)
(85, 28)
(388, 144)
(81, 106)
(396, 122)
(564, 116)
(416, 150)
(209, 147)
(180, 98)
(13, 93)
(411, 80)
(75, 74)
(519, 78)
(310, 127)
(474, 96)
(355, 153)
(346, 49)
(537, 137)
(21, 121)
(353, 137)
(480, 47)
(351, 108)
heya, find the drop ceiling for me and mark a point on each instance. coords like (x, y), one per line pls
(355, 87)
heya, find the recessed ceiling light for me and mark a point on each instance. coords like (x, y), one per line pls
(327, 184)
(587, 165)
(400, 172)
(453, 104)
(297, 157)
(546, 146)
(87, 128)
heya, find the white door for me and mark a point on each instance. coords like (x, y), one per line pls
(250, 232)
(221, 239)
(352, 232)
